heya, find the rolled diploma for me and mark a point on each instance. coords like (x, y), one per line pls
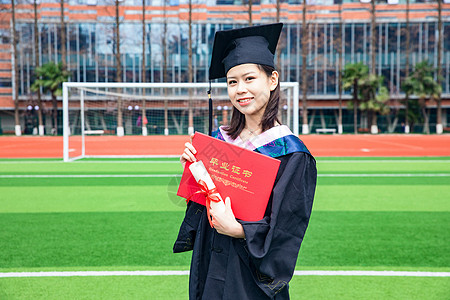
(199, 172)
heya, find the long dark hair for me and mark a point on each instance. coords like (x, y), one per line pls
(270, 115)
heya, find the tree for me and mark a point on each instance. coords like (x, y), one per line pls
(190, 73)
(50, 77)
(36, 65)
(373, 37)
(18, 129)
(165, 73)
(374, 97)
(144, 34)
(339, 50)
(439, 128)
(414, 114)
(120, 131)
(278, 50)
(353, 73)
(373, 50)
(63, 36)
(407, 38)
(422, 84)
(305, 42)
(250, 12)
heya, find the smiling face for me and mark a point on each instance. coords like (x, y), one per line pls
(249, 89)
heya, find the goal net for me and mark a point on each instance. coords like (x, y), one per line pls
(94, 112)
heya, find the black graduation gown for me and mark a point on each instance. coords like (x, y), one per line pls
(261, 265)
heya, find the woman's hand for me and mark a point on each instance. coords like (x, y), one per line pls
(188, 154)
(225, 222)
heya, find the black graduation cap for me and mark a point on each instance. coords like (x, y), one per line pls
(256, 44)
(234, 47)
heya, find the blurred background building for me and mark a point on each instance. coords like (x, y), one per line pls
(91, 49)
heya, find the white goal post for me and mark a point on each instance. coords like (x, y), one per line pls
(92, 108)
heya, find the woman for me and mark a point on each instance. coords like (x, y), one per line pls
(251, 260)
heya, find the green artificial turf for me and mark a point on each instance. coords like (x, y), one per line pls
(76, 168)
(117, 287)
(417, 239)
(383, 167)
(159, 194)
(130, 223)
(90, 198)
(172, 166)
(90, 239)
(369, 287)
(409, 196)
(32, 240)
(382, 158)
(176, 287)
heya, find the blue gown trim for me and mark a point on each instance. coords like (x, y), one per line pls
(276, 148)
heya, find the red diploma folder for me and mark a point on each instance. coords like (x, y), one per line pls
(247, 177)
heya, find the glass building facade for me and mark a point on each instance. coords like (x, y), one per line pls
(91, 56)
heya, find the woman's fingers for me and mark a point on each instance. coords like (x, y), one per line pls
(184, 158)
(188, 154)
(190, 147)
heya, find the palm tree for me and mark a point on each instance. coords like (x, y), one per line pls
(414, 114)
(353, 73)
(374, 97)
(422, 84)
(408, 86)
(50, 77)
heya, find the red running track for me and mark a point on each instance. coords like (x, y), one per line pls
(320, 145)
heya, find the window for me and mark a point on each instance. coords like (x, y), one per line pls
(6, 84)
(5, 36)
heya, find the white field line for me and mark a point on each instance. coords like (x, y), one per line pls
(179, 175)
(383, 161)
(92, 273)
(388, 175)
(118, 161)
(93, 162)
(94, 176)
(131, 161)
(184, 273)
(373, 273)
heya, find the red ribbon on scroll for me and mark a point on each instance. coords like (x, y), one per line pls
(210, 194)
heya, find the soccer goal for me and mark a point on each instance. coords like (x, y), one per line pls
(93, 111)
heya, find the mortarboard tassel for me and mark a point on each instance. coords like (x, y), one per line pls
(210, 109)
